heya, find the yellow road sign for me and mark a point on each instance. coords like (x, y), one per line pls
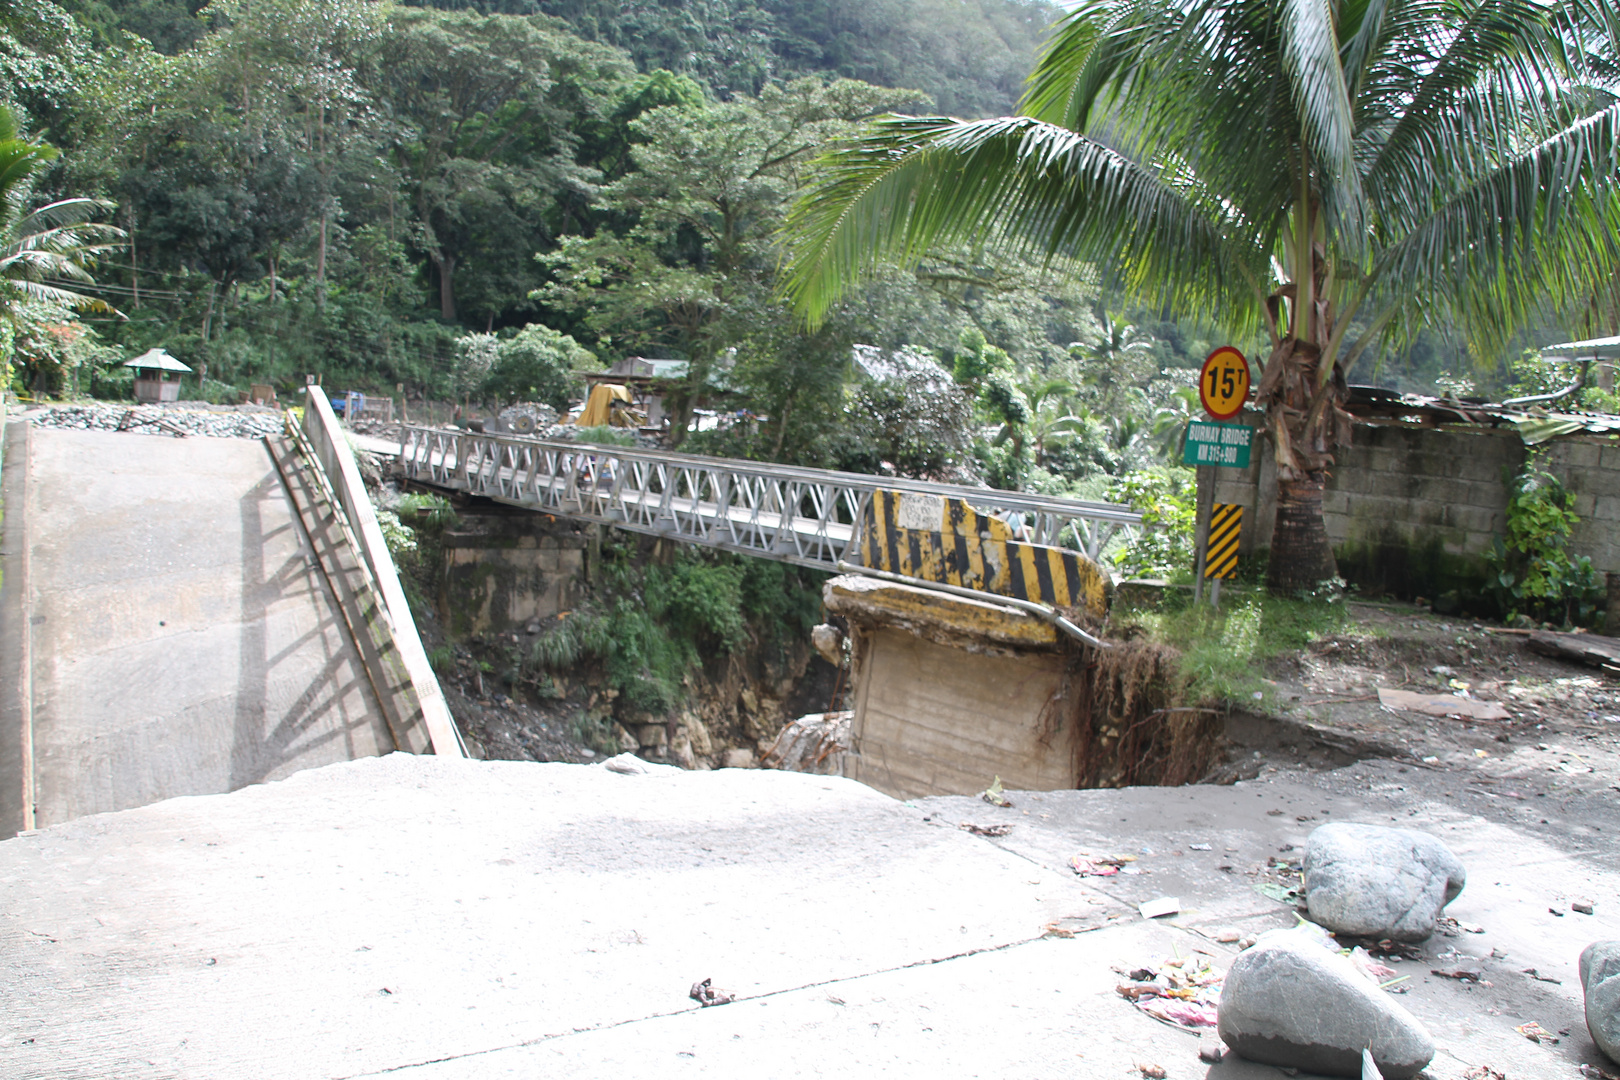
(1225, 523)
(1223, 383)
(940, 539)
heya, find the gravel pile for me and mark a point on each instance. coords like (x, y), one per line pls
(157, 420)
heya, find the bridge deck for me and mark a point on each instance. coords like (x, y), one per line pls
(181, 638)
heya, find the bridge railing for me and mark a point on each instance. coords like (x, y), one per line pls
(323, 438)
(804, 516)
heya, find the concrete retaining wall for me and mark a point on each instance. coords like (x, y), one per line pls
(504, 567)
(1413, 510)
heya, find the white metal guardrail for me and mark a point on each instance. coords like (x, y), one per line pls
(807, 517)
(331, 451)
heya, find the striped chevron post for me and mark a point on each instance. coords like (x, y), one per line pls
(1225, 523)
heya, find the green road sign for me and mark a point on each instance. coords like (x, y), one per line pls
(1217, 444)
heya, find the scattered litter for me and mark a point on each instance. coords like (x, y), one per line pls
(1274, 813)
(1184, 991)
(1592, 1072)
(1369, 1067)
(1369, 967)
(1461, 974)
(1537, 1034)
(1449, 926)
(1201, 847)
(1484, 1072)
(1088, 865)
(1582, 907)
(1539, 977)
(1211, 1055)
(1151, 1072)
(1430, 760)
(993, 795)
(1283, 894)
(1164, 905)
(986, 830)
(1442, 705)
(705, 993)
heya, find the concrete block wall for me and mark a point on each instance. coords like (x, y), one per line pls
(1413, 510)
(1590, 468)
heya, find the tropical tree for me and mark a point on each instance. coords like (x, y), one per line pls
(45, 250)
(1339, 173)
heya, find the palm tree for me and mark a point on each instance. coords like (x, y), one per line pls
(1337, 172)
(41, 248)
(1050, 419)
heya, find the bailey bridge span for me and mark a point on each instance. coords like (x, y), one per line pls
(806, 517)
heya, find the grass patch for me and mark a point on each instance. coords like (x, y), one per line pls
(1224, 653)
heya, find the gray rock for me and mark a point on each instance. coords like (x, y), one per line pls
(1600, 979)
(1294, 1002)
(1377, 882)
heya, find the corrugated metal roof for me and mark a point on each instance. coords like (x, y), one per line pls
(1606, 348)
(157, 358)
(1534, 423)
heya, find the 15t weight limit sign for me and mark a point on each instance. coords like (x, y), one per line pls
(1223, 383)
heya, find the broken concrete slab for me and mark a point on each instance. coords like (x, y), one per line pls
(459, 920)
(1442, 705)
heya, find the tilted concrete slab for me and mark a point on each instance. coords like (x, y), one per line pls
(448, 920)
(183, 639)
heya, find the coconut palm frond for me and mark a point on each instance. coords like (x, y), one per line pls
(912, 184)
(64, 213)
(1538, 230)
(26, 289)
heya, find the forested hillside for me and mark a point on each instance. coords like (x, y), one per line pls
(474, 201)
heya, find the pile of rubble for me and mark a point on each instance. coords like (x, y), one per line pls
(1298, 999)
(158, 420)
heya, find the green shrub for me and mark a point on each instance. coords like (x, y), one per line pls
(1167, 500)
(1530, 570)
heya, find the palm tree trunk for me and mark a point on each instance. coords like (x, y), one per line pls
(1301, 555)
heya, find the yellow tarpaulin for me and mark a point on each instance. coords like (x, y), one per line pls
(597, 407)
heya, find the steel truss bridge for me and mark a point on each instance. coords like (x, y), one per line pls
(807, 517)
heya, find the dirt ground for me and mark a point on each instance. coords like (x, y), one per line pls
(1552, 768)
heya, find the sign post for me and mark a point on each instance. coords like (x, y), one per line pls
(1223, 389)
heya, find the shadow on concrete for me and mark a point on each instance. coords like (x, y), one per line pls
(324, 712)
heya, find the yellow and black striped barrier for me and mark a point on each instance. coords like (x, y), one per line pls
(936, 538)
(1225, 524)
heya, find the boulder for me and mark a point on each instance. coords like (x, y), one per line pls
(1377, 882)
(1295, 1002)
(1600, 980)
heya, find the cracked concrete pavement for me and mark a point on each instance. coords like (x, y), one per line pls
(444, 920)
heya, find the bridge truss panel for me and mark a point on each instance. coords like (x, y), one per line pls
(807, 517)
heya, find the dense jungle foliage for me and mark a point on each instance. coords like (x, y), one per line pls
(479, 200)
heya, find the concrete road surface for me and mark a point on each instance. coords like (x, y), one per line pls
(449, 920)
(180, 637)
